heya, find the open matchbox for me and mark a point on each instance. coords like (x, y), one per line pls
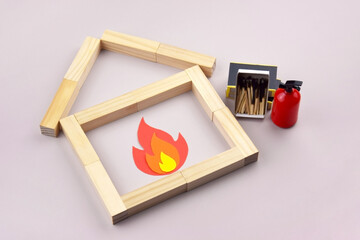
(250, 89)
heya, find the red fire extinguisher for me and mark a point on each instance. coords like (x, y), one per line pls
(286, 104)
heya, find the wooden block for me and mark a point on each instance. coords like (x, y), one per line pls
(59, 107)
(70, 86)
(213, 168)
(156, 51)
(106, 112)
(252, 158)
(181, 58)
(107, 191)
(78, 140)
(154, 193)
(134, 101)
(84, 60)
(131, 45)
(233, 133)
(94, 168)
(162, 90)
(204, 91)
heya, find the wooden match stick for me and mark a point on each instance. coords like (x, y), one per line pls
(242, 100)
(256, 109)
(238, 99)
(247, 103)
(262, 96)
(243, 103)
(262, 105)
(248, 85)
(255, 85)
(252, 97)
(240, 84)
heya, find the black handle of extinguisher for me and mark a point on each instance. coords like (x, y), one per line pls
(290, 84)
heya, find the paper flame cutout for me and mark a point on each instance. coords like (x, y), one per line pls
(161, 155)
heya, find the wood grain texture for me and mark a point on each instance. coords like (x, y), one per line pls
(213, 168)
(84, 60)
(107, 191)
(204, 91)
(162, 90)
(106, 112)
(181, 58)
(78, 140)
(233, 133)
(70, 86)
(130, 45)
(154, 193)
(156, 51)
(59, 107)
(134, 101)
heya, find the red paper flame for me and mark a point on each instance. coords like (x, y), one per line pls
(161, 155)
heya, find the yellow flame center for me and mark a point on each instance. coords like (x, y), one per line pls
(167, 163)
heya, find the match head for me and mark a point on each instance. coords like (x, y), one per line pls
(262, 87)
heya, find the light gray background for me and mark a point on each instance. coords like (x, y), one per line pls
(306, 184)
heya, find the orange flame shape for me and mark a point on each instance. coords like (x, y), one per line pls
(161, 155)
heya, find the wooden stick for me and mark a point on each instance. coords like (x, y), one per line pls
(249, 97)
(238, 98)
(84, 60)
(78, 140)
(59, 107)
(263, 91)
(204, 91)
(213, 168)
(162, 90)
(70, 86)
(257, 106)
(247, 103)
(241, 100)
(157, 52)
(233, 133)
(107, 192)
(134, 101)
(106, 112)
(154, 193)
(130, 45)
(97, 173)
(181, 58)
(262, 106)
(244, 102)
